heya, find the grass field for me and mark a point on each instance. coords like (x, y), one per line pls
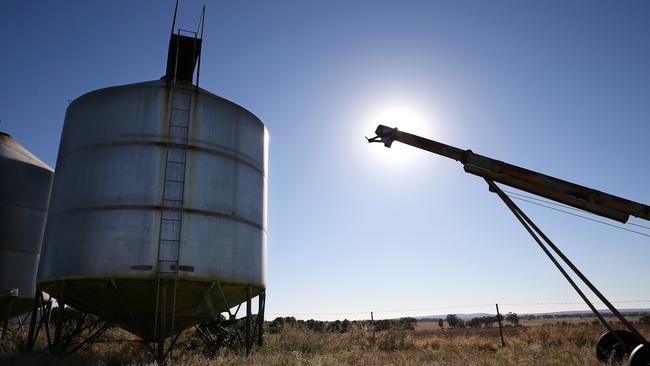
(551, 343)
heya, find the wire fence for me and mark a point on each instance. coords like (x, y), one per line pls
(522, 308)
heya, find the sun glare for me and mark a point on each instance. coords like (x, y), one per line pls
(407, 117)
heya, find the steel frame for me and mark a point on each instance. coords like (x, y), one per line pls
(545, 243)
(62, 342)
(252, 334)
(6, 320)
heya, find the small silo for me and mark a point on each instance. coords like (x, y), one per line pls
(158, 213)
(25, 183)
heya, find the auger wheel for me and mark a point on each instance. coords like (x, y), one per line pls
(640, 356)
(609, 348)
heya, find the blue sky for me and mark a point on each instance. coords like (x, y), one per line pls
(561, 87)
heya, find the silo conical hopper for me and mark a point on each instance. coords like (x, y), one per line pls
(158, 213)
(25, 183)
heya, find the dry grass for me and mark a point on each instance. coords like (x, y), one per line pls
(545, 345)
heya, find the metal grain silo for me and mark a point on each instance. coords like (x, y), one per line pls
(25, 183)
(158, 213)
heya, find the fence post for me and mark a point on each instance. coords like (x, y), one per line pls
(503, 343)
(372, 324)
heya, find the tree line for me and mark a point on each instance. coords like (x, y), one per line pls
(478, 322)
(341, 326)
(407, 323)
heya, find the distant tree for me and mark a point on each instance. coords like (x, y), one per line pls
(383, 324)
(453, 320)
(483, 321)
(474, 322)
(276, 325)
(490, 320)
(441, 323)
(299, 323)
(315, 325)
(513, 318)
(345, 326)
(334, 327)
(407, 323)
(644, 319)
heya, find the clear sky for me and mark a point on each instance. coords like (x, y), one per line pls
(562, 87)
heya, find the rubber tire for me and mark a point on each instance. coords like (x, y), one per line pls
(608, 347)
(640, 356)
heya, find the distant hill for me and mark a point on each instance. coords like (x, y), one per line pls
(588, 312)
(554, 314)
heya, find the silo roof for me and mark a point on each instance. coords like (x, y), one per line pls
(10, 149)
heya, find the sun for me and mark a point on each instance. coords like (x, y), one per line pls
(405, 116)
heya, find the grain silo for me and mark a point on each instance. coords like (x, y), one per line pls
(158, 213)
(25, 183)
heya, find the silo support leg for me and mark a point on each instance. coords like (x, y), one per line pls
(60, 315)
(46, 313)
(260, 318)
(172, 344)
(161, 352)
(249, 315)
(32, 333)
(162, 323)
(5, 325)
(58, 330)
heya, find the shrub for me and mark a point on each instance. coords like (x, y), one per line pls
(394, 341)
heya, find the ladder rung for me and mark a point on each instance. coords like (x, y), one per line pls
(164, 219)
(176, 162)
(171, 219)
(180, 109)
(174, 180)
(178, 126)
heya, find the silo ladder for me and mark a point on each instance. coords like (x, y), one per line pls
(171, 215)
